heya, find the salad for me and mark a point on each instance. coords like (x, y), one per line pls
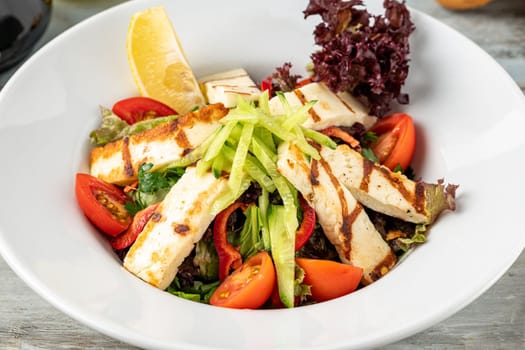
(293, 191)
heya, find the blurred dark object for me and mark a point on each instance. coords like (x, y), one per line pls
(22, 23)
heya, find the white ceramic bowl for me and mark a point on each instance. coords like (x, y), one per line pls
(469, 114)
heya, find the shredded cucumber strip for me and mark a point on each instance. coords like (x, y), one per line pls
(283, 253)
(263, 147)
(236, 116)
(239, 159)
(203, 166)
(193, 156)
(286, 105)
(267, 159)
(299, 116)
(264, 204)
(218, 165)
(244, 111)
(256, 171)
(215, 146)
(229, 196)
(246, 147)
(253, 168)
(303, 145)
(265, 136)
(271, 124)
(264, 102)
(282, 185)
(319, 138)
(235, 135)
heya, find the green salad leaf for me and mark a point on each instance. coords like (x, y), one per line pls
(113, 128)
(152, 187)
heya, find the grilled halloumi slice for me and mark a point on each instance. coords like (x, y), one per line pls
(225, 87)
(344, 221)
(178, 223)
(385, 191)
(331, 109)
(118, 162)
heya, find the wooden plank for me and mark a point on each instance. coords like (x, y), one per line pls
(496, 320)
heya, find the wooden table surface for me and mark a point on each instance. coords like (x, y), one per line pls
(496, 320)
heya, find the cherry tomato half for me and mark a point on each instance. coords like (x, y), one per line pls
(249, 286)
(129, 236)
(103, 204)
(329, 279)
(396, 140)
(135, 109)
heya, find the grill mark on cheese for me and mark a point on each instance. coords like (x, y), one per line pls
(126, 169)
(347, 225)
(420, 200)
(398, 184)
(348, 216)
(181, 229)
(368, 166)
(344, 103)
(156, 216)
(187, 151)
(346, 229)
(314, 173)
(238, 92)
(182, 140)
(300, 96)
(126, 158)
(417, 198)
(383, 267)
(298, 155)
(231, 86)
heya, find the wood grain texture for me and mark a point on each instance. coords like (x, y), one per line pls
(496, 320)
(498, 28)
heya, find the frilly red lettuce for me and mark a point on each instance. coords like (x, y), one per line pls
(362, 53)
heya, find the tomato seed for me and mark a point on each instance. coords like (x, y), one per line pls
(116, 209)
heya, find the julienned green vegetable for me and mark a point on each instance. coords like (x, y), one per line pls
(245, 148)
(283, 253)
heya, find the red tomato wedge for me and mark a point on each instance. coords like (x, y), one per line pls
(329, 279)
(129, 236)
(249, 286)
(135, 109)
(103, 204)
(396, 140)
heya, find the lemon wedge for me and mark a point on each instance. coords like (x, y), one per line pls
(158, 63)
